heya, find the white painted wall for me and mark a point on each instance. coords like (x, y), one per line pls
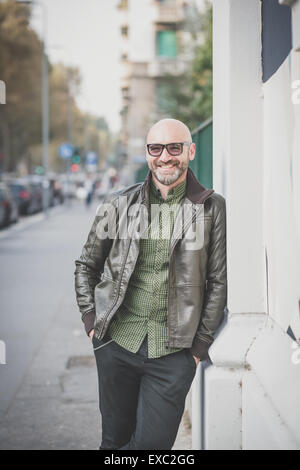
(281, 211)
(271, 413)
(238, 146)
(252, 388)
(141, 42)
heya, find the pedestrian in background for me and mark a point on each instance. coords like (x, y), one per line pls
(89, 188)
(151, 306)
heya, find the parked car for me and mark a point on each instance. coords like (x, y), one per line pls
(9, 212)
(36, 189)
(3, 210)
(28, 194)
(22, 194)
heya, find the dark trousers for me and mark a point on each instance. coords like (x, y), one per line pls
(141, 400)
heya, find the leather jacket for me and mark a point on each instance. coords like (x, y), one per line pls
(197, 280)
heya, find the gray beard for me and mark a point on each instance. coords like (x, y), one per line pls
(167, 180)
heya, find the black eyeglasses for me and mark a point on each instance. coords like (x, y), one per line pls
(174, 149)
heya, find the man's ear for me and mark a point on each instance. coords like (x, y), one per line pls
(192, 151)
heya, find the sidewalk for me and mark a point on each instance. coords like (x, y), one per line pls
(56, 404)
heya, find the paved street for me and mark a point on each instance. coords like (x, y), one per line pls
(47, 399)
(48, 387)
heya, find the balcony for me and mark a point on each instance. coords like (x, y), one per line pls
(160, 67)
(169, 12)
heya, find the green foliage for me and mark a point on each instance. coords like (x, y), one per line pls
(20, 69)
(21, 118)
(189, 96)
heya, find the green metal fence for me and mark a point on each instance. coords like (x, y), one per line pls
(202, 165)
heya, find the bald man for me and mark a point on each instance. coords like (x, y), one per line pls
(152, 301)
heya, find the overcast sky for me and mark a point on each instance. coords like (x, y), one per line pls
(86, 33)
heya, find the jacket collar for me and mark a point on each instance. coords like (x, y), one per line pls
(195, 191)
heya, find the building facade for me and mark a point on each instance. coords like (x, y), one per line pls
(251, 390)
(153, 37)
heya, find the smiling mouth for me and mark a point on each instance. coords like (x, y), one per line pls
(167, 166)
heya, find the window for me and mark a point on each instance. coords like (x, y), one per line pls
(166, 43)
(124, 31)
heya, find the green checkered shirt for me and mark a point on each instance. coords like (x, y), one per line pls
(144, 308)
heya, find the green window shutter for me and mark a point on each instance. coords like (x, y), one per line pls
(166, 44)
(202, 165)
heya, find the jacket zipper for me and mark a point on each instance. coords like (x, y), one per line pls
(170, 256)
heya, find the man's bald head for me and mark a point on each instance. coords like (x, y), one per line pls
(168, 130)
(167, 169)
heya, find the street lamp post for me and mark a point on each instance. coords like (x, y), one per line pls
(45, 105)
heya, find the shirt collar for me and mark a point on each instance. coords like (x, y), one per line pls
(174, 193)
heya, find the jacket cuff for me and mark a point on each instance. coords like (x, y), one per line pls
(89, 320)
(200, 349)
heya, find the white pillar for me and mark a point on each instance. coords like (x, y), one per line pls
(252, 389)
(238, 175)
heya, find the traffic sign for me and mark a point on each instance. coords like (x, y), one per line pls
(65, 150)
(91, 158)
